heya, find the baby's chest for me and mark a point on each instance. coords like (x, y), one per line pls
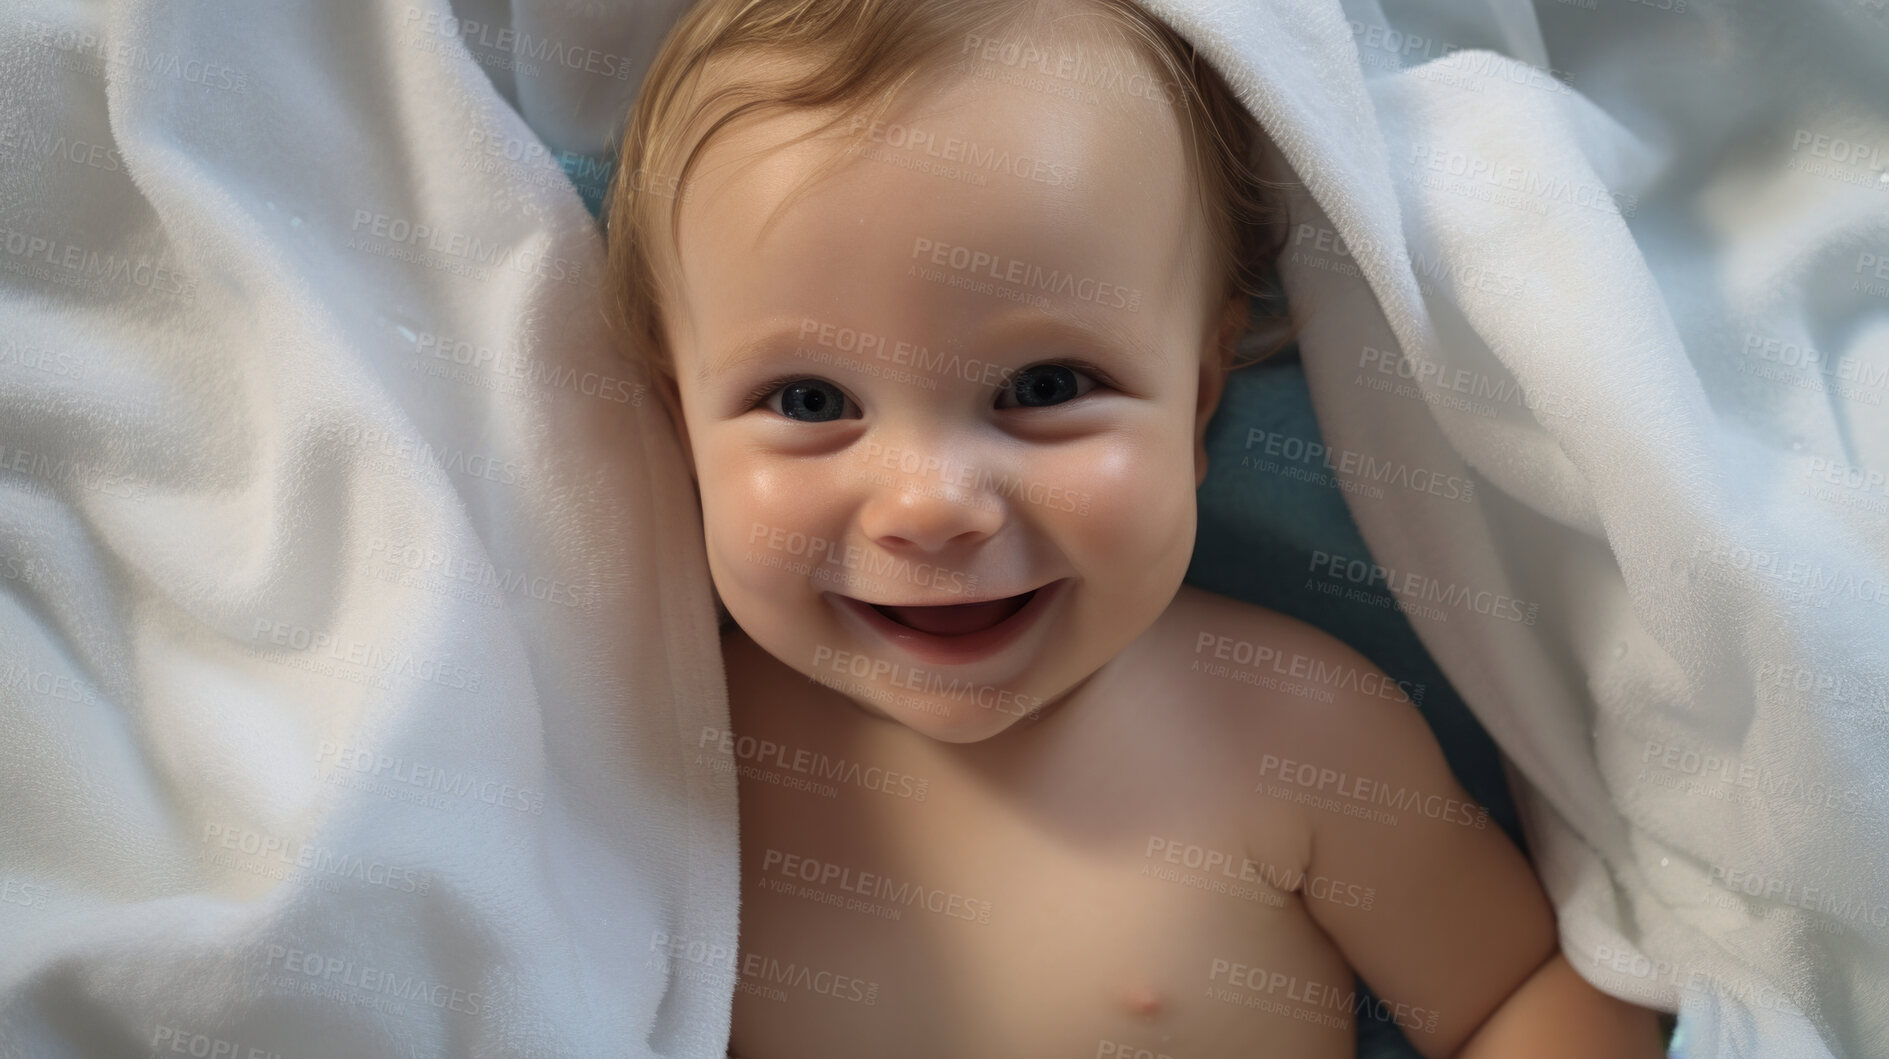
(891, 914)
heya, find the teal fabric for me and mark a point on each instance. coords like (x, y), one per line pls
(589, 174)
(1258, 529)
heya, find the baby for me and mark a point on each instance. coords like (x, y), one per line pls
(940, 296)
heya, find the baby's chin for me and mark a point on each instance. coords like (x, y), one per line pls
(963, 730)
(933, 704)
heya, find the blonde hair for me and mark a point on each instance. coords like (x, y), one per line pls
(843, 55)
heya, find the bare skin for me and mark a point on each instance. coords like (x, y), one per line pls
(1089, 918)
(1052, 892)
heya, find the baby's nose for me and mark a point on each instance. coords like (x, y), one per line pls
(929, 506)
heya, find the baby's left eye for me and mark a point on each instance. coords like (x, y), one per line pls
(1043, 385)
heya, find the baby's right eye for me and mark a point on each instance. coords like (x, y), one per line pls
(803, 400)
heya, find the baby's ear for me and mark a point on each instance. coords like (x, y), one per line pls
(671, 398)
(1215, 361)
(723, 619)
(1235, 317)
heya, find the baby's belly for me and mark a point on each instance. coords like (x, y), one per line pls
(1007, 950)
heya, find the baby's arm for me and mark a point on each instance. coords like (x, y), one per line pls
(1459, 933)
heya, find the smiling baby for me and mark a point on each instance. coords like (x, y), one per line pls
(940, 296)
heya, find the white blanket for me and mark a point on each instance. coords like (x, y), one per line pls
(358, 691)
(1634, 283)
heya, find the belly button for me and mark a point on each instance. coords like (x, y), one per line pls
(1141, 1000)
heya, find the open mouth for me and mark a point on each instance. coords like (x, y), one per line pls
(959, 633)
(957, 619)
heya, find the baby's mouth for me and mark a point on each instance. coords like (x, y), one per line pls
(956, 619)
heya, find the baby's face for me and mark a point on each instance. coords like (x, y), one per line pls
(951, 385)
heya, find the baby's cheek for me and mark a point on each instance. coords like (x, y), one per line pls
(758, 542)
(1134, 501)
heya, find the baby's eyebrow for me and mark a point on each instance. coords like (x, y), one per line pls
(766, 341)
(1094, 329)
(1086, 329)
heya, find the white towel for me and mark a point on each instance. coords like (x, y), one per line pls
(1594, 269)
(355, 631)
(357, 671)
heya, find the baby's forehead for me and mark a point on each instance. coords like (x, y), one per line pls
(988, 185)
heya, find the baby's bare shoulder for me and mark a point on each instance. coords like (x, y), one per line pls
(1264, 657)
(1454, 919)
(1268, 716)
(1288, 690)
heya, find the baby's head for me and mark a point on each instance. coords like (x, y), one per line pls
(940, 295)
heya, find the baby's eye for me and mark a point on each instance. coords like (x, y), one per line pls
(807, 400)
(1042, 385)
(804, 400)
